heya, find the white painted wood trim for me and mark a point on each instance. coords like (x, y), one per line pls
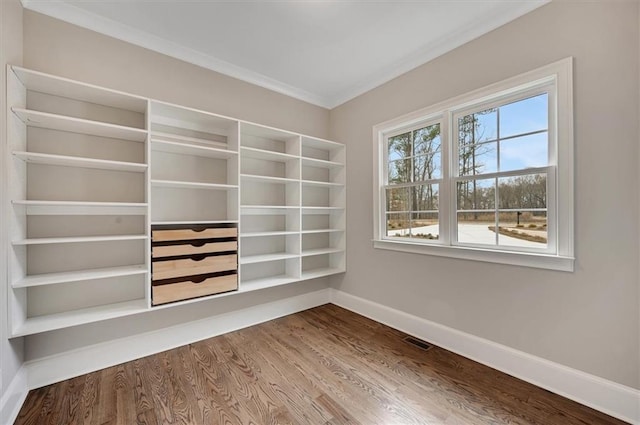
(13, 397)
(87, 359)
(601, 394)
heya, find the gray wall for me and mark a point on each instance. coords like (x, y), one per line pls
(11, 351)
(62, 49)
(587, 320)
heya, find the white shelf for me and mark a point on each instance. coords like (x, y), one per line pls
(260, 234)
(267, 282)
(79, 239)
(320, 163)
(279, 207)
(307, 232)
(321, 184)
(50, 322)
(34, 207)
(63, 87)
(315, 273)
(79, 125)
(252, 259)
(75, 161)
(194, 141)
(160, 223)
(267, 210)
(192, 185)
(267, 179)
(320, 210)
(266, 155)
(79, 275)
(320, 251)
(321, 144)
(189, 149)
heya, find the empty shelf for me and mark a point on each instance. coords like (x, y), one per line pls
(251, 259)
(320, 163)
(321, 231)
(79, 125)
(267, 179)
(192, 185)
(321, 184)
(259, 234)
(75, 276)
(321, 251)
(315, 273)
(75, 161)
(266, 155)
(34, 207)
(190, 148)
(266, 282)
(79, 239)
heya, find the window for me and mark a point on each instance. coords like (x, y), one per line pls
(486, 176)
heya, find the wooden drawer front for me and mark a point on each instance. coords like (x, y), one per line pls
(187, 234)
(189, 266)
(191, 249)
(163, 294)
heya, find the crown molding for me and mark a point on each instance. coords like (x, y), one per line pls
(74, 15)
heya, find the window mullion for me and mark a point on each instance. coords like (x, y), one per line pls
(445, 197)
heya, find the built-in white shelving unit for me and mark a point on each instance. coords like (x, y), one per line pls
(99, 179)
(78, 203)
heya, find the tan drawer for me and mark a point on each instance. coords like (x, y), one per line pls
(163, 294)
(189, 267)
(186, 234)
(191, 249)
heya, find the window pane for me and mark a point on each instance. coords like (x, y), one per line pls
(426, 140)
(476, 227)
(424, 197)
(476, 194)
(399, 146)
(424, 226)
(524, 192)
(524, 152)
(524, 116)
(398, 224)
(486, 125)
(478, 159)
(527, 229)
(398, 199)
(426, 167)
(400, 171)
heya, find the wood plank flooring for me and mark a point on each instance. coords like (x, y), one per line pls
(321, 366)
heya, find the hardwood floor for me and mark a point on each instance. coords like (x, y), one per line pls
(321, 366)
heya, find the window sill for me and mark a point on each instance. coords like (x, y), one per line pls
(539, 261)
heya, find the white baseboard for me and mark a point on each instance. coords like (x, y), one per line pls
(616, 400)
(73, 363)
(13, 397)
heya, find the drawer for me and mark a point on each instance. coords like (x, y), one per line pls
(184, 290)
(193, 266)
(192, 248)
(187, 234)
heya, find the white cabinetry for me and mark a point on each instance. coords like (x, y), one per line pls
(91, 172)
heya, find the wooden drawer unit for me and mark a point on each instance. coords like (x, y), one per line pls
(197, 287)
(195, 265)
(190, 261)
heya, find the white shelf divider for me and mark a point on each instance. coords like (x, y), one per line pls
(320, 251)
(79, 275)
(51, 322)
(36, 207)
(261, 234)
(190, 149)
(79, 125)
(320, 163)
(321, 184)
(78, 239)
(322, 272)
(192, 185)
(308, 232)
(267, 179)
(266, 155)
(75, 161)
(252, 259)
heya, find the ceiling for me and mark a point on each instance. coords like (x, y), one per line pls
(320, 51)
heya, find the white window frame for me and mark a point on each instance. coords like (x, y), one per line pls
(554, 79)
